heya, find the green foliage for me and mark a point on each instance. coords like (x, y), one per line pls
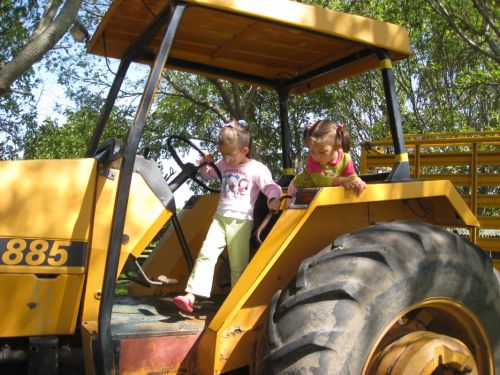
(444, 86)
(16, 113)
(16, 109)
(52, 141)
(18, 17)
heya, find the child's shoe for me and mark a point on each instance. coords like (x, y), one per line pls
(183, 303)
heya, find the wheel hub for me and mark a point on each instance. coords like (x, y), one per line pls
(426, 353)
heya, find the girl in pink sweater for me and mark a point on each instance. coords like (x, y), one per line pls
(242, 180)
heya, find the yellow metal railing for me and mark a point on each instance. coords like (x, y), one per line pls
(471, 161)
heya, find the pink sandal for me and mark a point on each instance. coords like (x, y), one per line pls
(183, 303)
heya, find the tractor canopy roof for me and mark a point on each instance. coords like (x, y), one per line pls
(266, 43)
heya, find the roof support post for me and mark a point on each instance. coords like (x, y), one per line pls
(401, 169)
(108, 106)
(133, 52)
(288, 171)
(105, 353)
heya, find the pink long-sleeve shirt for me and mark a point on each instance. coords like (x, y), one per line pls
(240, 187)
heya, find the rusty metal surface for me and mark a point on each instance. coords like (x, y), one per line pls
(157, 316)
(152, 336)
(159, 355)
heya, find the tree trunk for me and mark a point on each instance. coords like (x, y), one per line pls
(57, 18)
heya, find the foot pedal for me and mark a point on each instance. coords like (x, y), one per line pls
(167, 281)
(143, 279)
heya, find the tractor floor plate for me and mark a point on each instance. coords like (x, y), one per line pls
(158, 316)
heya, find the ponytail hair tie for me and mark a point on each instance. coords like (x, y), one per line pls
(309, 128)
(232, 123)
(340, 126)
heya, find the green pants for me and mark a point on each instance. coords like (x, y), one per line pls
(235, 233)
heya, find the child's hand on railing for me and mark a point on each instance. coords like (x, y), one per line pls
(274, 204)
(356, 184)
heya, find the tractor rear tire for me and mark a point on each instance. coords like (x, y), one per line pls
(338, 313)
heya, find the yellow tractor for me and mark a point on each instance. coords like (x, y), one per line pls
(375, 284)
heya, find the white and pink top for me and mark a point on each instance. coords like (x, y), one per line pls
(240, 187)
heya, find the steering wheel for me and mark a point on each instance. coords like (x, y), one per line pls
(188, 170)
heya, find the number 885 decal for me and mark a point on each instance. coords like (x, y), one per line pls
(40, 252)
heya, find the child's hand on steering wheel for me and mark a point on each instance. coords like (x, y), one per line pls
(208, 158)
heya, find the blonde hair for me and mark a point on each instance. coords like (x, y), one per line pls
(327, 131)
(236, 132)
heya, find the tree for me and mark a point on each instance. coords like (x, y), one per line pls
(51, 141)
(475, 22)
(28, 33)
(55, 21)
(445, 84)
